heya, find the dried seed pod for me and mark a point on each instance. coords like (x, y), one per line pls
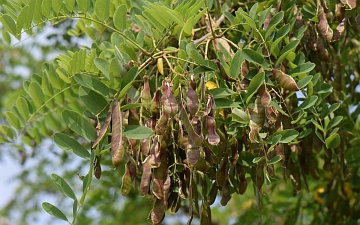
(126, 182)
(264, 95)
(210, 125)
(145, 178)
(221, 173)
(197, 124)
(159, 176)
(168, 100)
(295, 175)
(210, 107)
(243, 182)
(133, 118)
(103, 129)
(176, 205)
(158, 212)
(257, 117)
(323, 25)
(145, 93)
(145, 146)
(244, 68)
(192, 100)
(117, 147)
(285, 81)
(155, 160)
(160, 65)
(166, 188)
(97, 168)
(225, 193)
(192, 154)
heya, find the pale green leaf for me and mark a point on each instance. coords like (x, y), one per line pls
(240, 116)
(103, 66)
(8, 23)
(7, 131)
(287, 135)
(56, 5)
(69, 4)
(102, 9)
(63, 186)
(23, 108)
(137, 132)
(69, 144)
(36, 94)
(120, 17)
(13, 120)
(54, 211)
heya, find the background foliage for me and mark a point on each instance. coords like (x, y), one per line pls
(197, 104)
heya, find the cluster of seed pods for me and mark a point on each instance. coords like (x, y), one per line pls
(192, 156)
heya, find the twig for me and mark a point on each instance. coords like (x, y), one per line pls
(218, 22)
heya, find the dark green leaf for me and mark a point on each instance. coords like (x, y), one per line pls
(286, 50)
(236, 63)
(103, 65)
(254, 85)
(225, 103)
(302, 68)
(307, 103)
(69, 144)
(303, 82)
(92, 83)
(333, 141)
(221, 92)
(333, 122)
(255, 57)
(95, 102)
(273, 23)
(274, 160)
(287, 135)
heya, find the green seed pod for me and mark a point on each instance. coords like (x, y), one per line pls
(295, 175)
(155, 103)
(213, 193)
(161, 124)
(126, 184)
(225, 193)
(221, 173)
(285, 81)
(145, 94)
(205, 217)
(97, 168)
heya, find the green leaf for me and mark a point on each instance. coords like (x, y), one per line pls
(305, 81)
(6, 37)
(63, 186)
(246, 158)
(221, 92)
(333, 141)
(23, 108)
(79, 124)
(280, 34)
(103, 65)
(102, 9)
(46, 8)
(302, 68)
(8, 131)
(8, 23)
(255, 57)
(287, 135)
(36, 93)
(240, 116)
(127, 81)
(235, 67)
(258, 159)
(333, 122)
(137, 132)
(69, 4)
(274, 160)
(120, 17)
(54, 211)
(13, 120)
(273, 23)
(69, 144)
(225, 103)
(277, 107)
(286, 50)
(248, 19)
(84, 5)
(254, 85)
(92, 83)
(307, 103)
(92, 100)
(56, 5)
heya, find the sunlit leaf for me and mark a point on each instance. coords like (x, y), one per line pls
(79, 124)
(63, 186)
(69, 144)
(120, 17)
(54, 211)
(102, 9)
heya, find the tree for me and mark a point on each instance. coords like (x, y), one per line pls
(196, 100)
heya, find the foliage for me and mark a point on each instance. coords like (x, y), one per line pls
(197, 100)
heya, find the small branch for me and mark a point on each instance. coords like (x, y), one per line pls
(218, 22)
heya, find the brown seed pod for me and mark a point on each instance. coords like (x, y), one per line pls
(205, 217)
(145, 146)
(97, 168)
(192, 99)
(145, 178)
(145, 94)
(192, 154)
(103, 129)
(117, 147)
(166, 188)
(225, 193)
(221, 173)
(210, 125)
(285, 81)
(155, 103)
(168, 100)
(161, 123)
(158, 212)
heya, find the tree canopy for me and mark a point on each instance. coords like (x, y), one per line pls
(189, 103)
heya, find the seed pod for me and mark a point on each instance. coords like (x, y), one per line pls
(225, 193)
(126, 181)
(257, 117)
(155, 103)
(145, 146)
(97, 168)
(159, 176)
(205, 217)
(158, 212)
(221, 173)
(295, 175)
(168, 100)
(117, 148)
(166, 188)
(160, 66)
(244, 68)
(196, 123)
(176, 205)
(264, 95)
(172, 199)
(210, 125)
(155, 159)
(145, 178)
(313, 167)
(285, 81)
(233, 179)
(133, 118)
(161, 124)
(210, 107)
(192, 154)
(102, 130)
(192, 100)
(213, 193)
(145, 94)
(241, 175)
(323, 25)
